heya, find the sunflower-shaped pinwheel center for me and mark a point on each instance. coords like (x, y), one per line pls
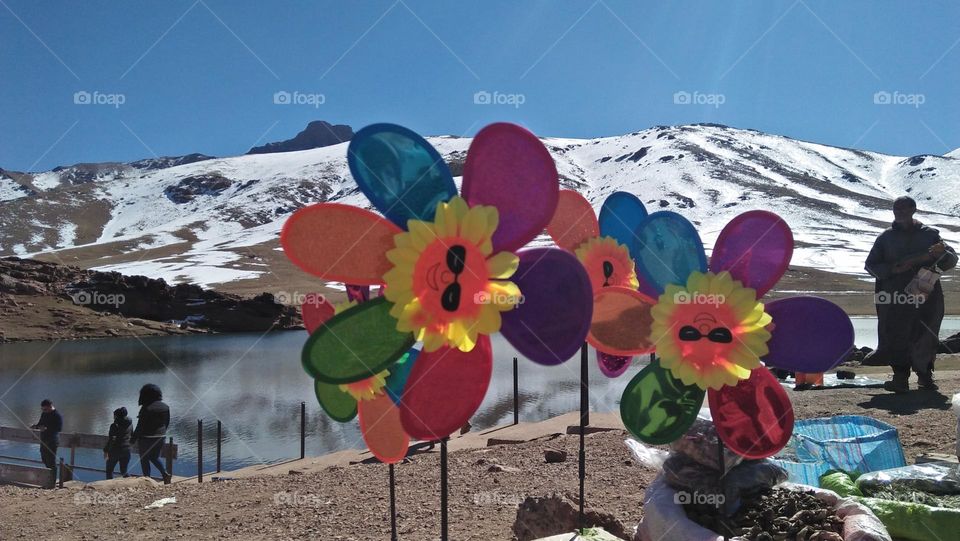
(366, 389)
(712, 331)
(608, 263)
(446, 283)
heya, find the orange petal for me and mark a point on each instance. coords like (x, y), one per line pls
(339, 243)
(621, 321)
(381, 429)
(573, 222)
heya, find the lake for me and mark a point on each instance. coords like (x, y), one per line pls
(254, 384)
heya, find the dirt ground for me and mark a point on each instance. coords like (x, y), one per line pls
(351, 502)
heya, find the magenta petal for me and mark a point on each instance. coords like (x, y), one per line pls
(550, 324)
(613, 365)
(810, 334)
(755, 247)
(509, 168)
(358, 293)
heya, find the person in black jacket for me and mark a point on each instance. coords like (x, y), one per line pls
(908, 325)
(117, 449)
(152, 423)
(49, 425)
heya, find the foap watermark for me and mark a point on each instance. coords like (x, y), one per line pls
(297, 298)
(83, 97)
(486, 297)
(313, 99)
(899, 298)
(496, 499)
(89, 497)
(484, 97)
(700, 299)
(896, 97)
(296, 499)
(97, 298)
(683, 497)
(683, 97)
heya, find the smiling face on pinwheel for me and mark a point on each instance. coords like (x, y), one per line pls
(447, 286)
(710, 332)
(601, 244)
(712, 335)
(454, 273)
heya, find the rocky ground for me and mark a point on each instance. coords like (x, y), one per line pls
(486, 486)
(47, 301)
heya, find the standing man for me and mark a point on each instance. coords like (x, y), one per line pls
(908, 325)
(49, 425)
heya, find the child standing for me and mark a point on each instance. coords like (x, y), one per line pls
(117, 449)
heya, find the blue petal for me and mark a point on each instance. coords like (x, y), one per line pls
(620, 215)
(667, 249)
(399, 172)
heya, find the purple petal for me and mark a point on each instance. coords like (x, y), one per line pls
(810, 334)
(755, 247)
(551, 323)
(509, 168)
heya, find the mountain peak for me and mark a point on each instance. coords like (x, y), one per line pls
(318, 133)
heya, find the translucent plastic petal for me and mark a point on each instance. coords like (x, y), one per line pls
(667, 249)
(755, 247)
(657, 408)
(355, 344)
(339, 243)
(574, 221)
(551, 323)
(399, 172)
(444, 390)
(509, 168)
(753, 418)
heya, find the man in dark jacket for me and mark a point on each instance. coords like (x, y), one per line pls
(117, 449)
(908, 325)
(152, 423)
(49, 425)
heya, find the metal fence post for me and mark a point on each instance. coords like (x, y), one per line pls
(219, 442)
(303, 430)
(199, 450)
(516, 393)
(170, 457)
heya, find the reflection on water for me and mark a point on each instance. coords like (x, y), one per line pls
(254, 384)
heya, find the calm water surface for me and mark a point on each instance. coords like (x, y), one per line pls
(254, 384)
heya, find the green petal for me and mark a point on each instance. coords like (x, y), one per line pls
(658, 408)
(340, 406)
(355, 344)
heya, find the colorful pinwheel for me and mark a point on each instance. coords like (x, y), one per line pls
(713, 336)
(453, 276)
(602, 246)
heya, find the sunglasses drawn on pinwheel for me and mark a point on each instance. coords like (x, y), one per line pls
(453, 272)
(711, 334)
(602, 245)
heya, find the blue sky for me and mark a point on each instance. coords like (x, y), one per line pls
(184, 76)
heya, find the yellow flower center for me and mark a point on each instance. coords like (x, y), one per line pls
(446, 284)
(711, 332)
(608, 263)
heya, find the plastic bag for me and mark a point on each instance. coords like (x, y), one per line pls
(840, 482)
(650, 457)
(915, 521)
(700, 443)
(664, 518)
(932, 478)
(684, 474)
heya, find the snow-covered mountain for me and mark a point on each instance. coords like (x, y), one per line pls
(197, 219)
